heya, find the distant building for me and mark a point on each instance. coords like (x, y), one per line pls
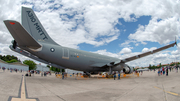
(42, 68)
(15, 65)
(137, 67)
(169, 64)
(70, 71)
(3, 64)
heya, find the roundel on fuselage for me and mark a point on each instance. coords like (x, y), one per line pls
(52, 49)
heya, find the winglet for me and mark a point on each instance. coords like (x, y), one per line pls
(175, 41)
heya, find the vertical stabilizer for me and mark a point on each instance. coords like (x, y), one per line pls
(32, 24)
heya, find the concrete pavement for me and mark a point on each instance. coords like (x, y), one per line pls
(148, 87)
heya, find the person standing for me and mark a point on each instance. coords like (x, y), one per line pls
(63, 75)
(163, 70)
(167, 71)
(141, 72)
(158, 72)
(119, 74)
(170, 68)
(177, 68)
(114, 75)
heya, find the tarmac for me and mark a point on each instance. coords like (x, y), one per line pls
(147, 87)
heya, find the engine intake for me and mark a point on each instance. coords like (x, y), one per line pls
(128, 70)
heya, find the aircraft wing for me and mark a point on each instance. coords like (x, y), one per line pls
(147, 53)
(21, 36)
(100, 65)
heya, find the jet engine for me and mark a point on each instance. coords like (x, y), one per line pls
(122, 66)
(127, 69)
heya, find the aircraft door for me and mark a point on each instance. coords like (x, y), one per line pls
(65, 54)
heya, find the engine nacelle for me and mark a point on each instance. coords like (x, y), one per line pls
(122, 66)
(127, 69)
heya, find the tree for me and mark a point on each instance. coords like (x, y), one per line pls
(56, 69)
(9, 58)
(48, 66)
(31, 64)
(172, 64)
(11, 61)
(150, 66)
(160, 65)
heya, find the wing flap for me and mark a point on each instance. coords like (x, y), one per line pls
(22, 37)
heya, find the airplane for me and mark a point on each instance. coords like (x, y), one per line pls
(145, 69)
(32, 40)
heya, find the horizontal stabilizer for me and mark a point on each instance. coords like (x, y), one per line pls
(22, 37)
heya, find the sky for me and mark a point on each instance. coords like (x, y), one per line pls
(116, 28)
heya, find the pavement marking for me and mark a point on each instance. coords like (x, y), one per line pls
(168, 91)
(23, 94)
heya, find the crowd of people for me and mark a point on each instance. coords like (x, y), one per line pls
(161, 71)
(11, 69)
(29, 73)
(166, 69)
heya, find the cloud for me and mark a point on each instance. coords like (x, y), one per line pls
(176, 52)
(125, 51)
(162, 28)
(162, 32)
(8, 10)
(93, 19)
(104, 52)
(5, 37)
(98, 19)
(146, 49)
(78, 21)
